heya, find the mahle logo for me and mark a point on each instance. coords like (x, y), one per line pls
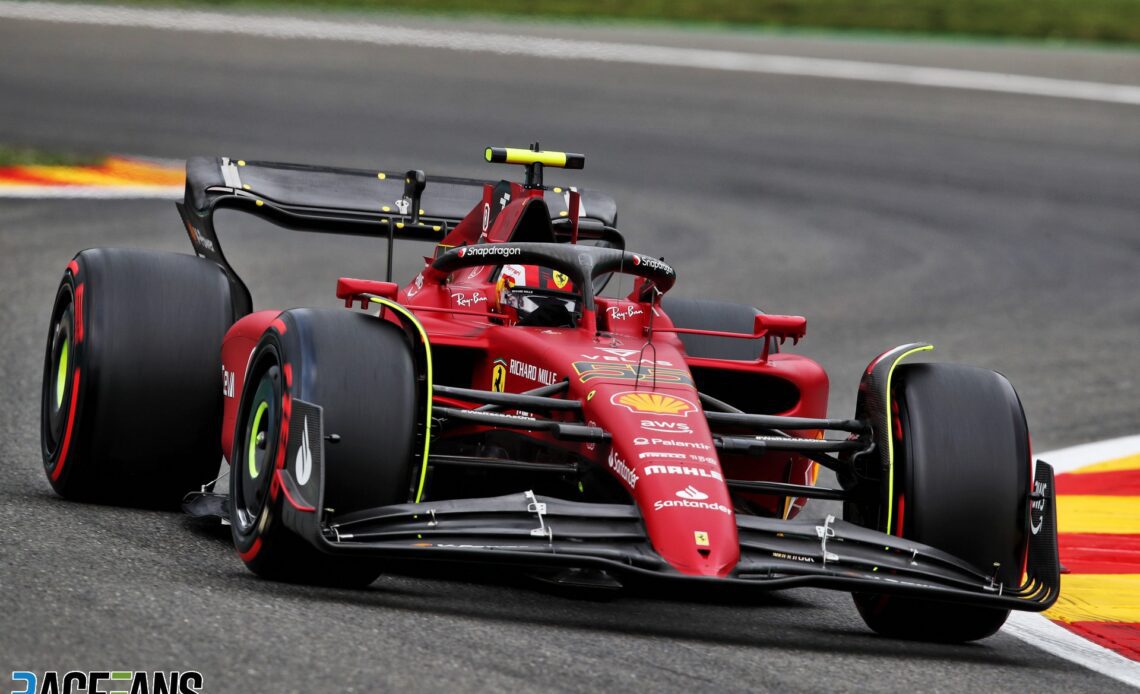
(107, 682)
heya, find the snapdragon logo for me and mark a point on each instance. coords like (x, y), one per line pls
(652, 263)
(489, 250)
(107, 682)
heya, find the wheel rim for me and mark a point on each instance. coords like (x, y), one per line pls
(259, 438)
(60, 360)
(257, 441)
(61, 373)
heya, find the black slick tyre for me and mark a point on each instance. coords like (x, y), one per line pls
(962, 467)
(131, 405)
(360, 370)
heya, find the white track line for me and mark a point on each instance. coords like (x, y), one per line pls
(565, 49)
(1069, 459)
(1034, 628)
(1056, 639)
(93, 192)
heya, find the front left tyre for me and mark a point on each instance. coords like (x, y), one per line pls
(359, 369)
(131, 404)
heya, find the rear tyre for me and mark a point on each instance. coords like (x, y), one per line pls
(961, 484)
(131, 407)
(360, 370)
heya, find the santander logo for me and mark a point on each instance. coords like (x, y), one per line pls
(691, 498)
(692, 494)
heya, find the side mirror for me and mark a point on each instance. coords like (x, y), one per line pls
(781, 327)
(351, 290)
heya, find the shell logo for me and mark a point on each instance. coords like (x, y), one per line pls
(654, 403)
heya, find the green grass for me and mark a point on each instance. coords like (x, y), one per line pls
(1116, 21)
(29, 156)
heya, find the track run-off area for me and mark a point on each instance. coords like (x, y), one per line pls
(1098, 507)
(978, 196)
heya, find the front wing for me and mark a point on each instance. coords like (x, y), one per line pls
(536, 532)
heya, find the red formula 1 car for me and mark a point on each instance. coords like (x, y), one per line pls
(501, 408)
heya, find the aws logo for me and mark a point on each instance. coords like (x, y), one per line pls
(654, 403)
(666, 427)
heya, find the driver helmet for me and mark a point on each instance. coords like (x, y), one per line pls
(516, 289)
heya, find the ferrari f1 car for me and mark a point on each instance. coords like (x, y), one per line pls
(502, 408)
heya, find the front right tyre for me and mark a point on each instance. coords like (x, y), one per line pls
(961, 484)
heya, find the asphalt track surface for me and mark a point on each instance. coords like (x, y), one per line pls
(1004, 229)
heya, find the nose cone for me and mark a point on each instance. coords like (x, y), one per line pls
(663, 452)
(689, 519)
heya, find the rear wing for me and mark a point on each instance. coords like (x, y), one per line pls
(358, 202)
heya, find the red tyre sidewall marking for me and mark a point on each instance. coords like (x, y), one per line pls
(70, 424)
(275, 484)
(250, 553)
(77, 316)
(283, 441)
(281, 483)
(79, 291)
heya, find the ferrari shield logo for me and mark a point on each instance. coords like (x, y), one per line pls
(701, 538)
(499, 376)
(560, 279)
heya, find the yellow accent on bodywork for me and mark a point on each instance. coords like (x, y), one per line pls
(387, 303)
(890, 434)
